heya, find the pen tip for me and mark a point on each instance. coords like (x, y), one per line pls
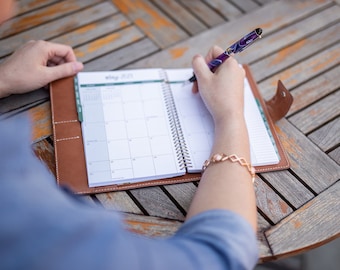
(186, 83)
(258, 31)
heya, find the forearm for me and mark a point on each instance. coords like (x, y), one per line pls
(227, 185)
(4, 89)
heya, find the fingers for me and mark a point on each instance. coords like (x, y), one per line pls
(59, 51)
(61, 61)
(63, 70)
(230, 66)
(213, 53)
(201, 71)
(200, 64)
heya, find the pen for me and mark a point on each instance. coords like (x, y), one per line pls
(237, 47)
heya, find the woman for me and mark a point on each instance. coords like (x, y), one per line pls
(41, 227)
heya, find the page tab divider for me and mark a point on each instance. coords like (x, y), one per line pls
(78, 102)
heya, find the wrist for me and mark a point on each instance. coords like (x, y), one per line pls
(229, 120)
(231, 136)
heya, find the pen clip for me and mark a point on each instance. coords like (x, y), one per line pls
(245, 42)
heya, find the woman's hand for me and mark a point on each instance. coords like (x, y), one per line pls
(221, 91)
(36, 64)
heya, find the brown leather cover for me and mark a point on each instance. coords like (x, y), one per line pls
(69, 149)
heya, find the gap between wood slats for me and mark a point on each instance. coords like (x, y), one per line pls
(203, 12)
(314, 89)
(176, 12)
(335, 155)
(152, 21)
(307, 160)
(317, 114)
(225, 9)
(289, 187)
(327, 137)
(270, 204)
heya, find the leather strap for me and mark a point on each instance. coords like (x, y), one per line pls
(279, 105)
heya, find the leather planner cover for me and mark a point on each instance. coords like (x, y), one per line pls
(69, 148)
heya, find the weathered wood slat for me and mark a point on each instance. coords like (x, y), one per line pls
(154, 23)
(55, 28)
(315, 89)
(265, 1)
(151, 226)
(307, 160)
(45, 152)
(93, 30)
(312, 225)
(108, 43)
(264, 249)
(43, 15)
(327, 136)
(17, 103)
(41, 121)
(293, 32)
(182, 193)
(302, 71)
(271, 17)
(335, 155)
(270, 203)
(289, 187)
(119, 201)
(156, 203)
(203, 12)
(181, 16)
(225, 9)
(308, 45)
(246, 5)
(29, 5)
(123, 56)
(317, 114)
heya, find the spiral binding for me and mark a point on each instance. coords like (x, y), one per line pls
(181, 148)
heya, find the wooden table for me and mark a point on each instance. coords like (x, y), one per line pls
(298, 208)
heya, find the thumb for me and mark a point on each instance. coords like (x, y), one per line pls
(64, 70)
(201, 71)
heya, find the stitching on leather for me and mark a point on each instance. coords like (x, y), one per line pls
(68, 139)
(66, 122)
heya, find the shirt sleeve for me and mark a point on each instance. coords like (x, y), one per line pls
(42, 227)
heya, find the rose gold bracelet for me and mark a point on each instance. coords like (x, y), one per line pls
(233, 158)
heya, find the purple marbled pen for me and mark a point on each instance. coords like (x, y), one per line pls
(237, 47)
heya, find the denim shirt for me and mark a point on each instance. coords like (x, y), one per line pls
(42, 227)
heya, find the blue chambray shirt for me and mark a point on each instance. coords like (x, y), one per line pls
(42, 227)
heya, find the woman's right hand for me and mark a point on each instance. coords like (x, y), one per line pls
(223, 90)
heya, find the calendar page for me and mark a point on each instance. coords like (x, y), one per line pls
(126, 127)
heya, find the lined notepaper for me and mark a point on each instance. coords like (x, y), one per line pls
(197, 124)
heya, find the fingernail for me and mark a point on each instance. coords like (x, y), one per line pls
(77, 66)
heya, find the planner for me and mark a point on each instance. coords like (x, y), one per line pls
(143, 127)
